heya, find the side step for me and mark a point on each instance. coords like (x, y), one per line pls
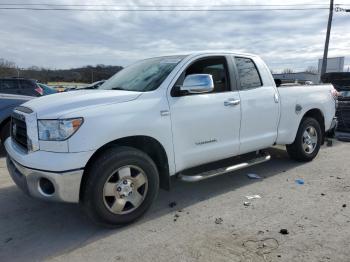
(191, 175)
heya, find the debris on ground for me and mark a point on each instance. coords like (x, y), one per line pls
(344, 205)
(254, 176)
(253, 197)
(338, 177)
(176, 216)
(218, 221)
(299, 181)
(284, 231)
(323, 194)
(247, 203)
(172, 204)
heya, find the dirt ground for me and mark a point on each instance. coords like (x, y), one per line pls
(209, 222)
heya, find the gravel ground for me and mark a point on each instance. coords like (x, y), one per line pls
(208, 223)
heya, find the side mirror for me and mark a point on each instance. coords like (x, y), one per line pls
(198, 84)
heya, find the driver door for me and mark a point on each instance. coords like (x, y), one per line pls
(205, 126)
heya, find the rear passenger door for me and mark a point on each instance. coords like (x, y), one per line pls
(259, 104)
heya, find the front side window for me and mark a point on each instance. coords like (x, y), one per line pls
(143, 76)
(248, 73)
(214, 66)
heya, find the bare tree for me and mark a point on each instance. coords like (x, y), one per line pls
(311, 69)
(7, 68)
(287, 71)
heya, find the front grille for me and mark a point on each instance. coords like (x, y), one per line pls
(19, 130)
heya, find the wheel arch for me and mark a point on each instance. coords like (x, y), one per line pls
(319, 117)
(149, 145)
(3, 124)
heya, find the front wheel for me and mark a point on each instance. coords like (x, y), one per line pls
(120, 186)
(307, 142)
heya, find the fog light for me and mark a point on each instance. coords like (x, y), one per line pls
(46, 186)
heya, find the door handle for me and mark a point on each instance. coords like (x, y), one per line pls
(232, 102)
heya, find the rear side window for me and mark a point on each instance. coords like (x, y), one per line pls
(248, 73)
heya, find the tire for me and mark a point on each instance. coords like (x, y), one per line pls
(106, 196)
(297, 150)
(4, 134)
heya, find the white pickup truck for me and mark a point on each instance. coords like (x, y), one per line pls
(111, 149)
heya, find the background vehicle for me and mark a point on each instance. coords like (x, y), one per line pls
(20, 86)
(341, 82)
(47, 90)
(94, 85)
(7, 104)
(188, 116)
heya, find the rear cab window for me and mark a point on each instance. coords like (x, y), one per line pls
(248, 73)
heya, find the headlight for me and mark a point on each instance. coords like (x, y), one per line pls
(59, 129)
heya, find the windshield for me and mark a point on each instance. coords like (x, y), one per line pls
(143, 76)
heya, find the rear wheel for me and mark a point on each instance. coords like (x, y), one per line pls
(307, 142)
(120, 186)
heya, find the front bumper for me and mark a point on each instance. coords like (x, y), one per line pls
(62, 171)
(65, 185)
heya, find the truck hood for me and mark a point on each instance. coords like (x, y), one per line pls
(57, 105)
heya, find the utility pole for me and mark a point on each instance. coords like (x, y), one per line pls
(325, 53)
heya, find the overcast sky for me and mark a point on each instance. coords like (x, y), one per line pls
(65, 39)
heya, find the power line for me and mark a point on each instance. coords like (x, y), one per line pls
(150, 5)
(162, 10)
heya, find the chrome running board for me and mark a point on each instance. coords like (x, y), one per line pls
(261, 158)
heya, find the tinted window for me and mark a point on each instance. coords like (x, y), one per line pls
(215, 66)
(6, 84)
(248, 74)
(26, 84)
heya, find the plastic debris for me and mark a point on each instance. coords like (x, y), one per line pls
(284, 231)
(344, 205)
(247, 203)
(218, 221)
(254, 176)
(299, 181)
(253, 197)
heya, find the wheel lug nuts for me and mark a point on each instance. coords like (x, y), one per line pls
(125, 182)
(131, 185)
(119, 189)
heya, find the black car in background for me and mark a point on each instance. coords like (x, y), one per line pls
(341, 82)
(20, 86)
(7, 103)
